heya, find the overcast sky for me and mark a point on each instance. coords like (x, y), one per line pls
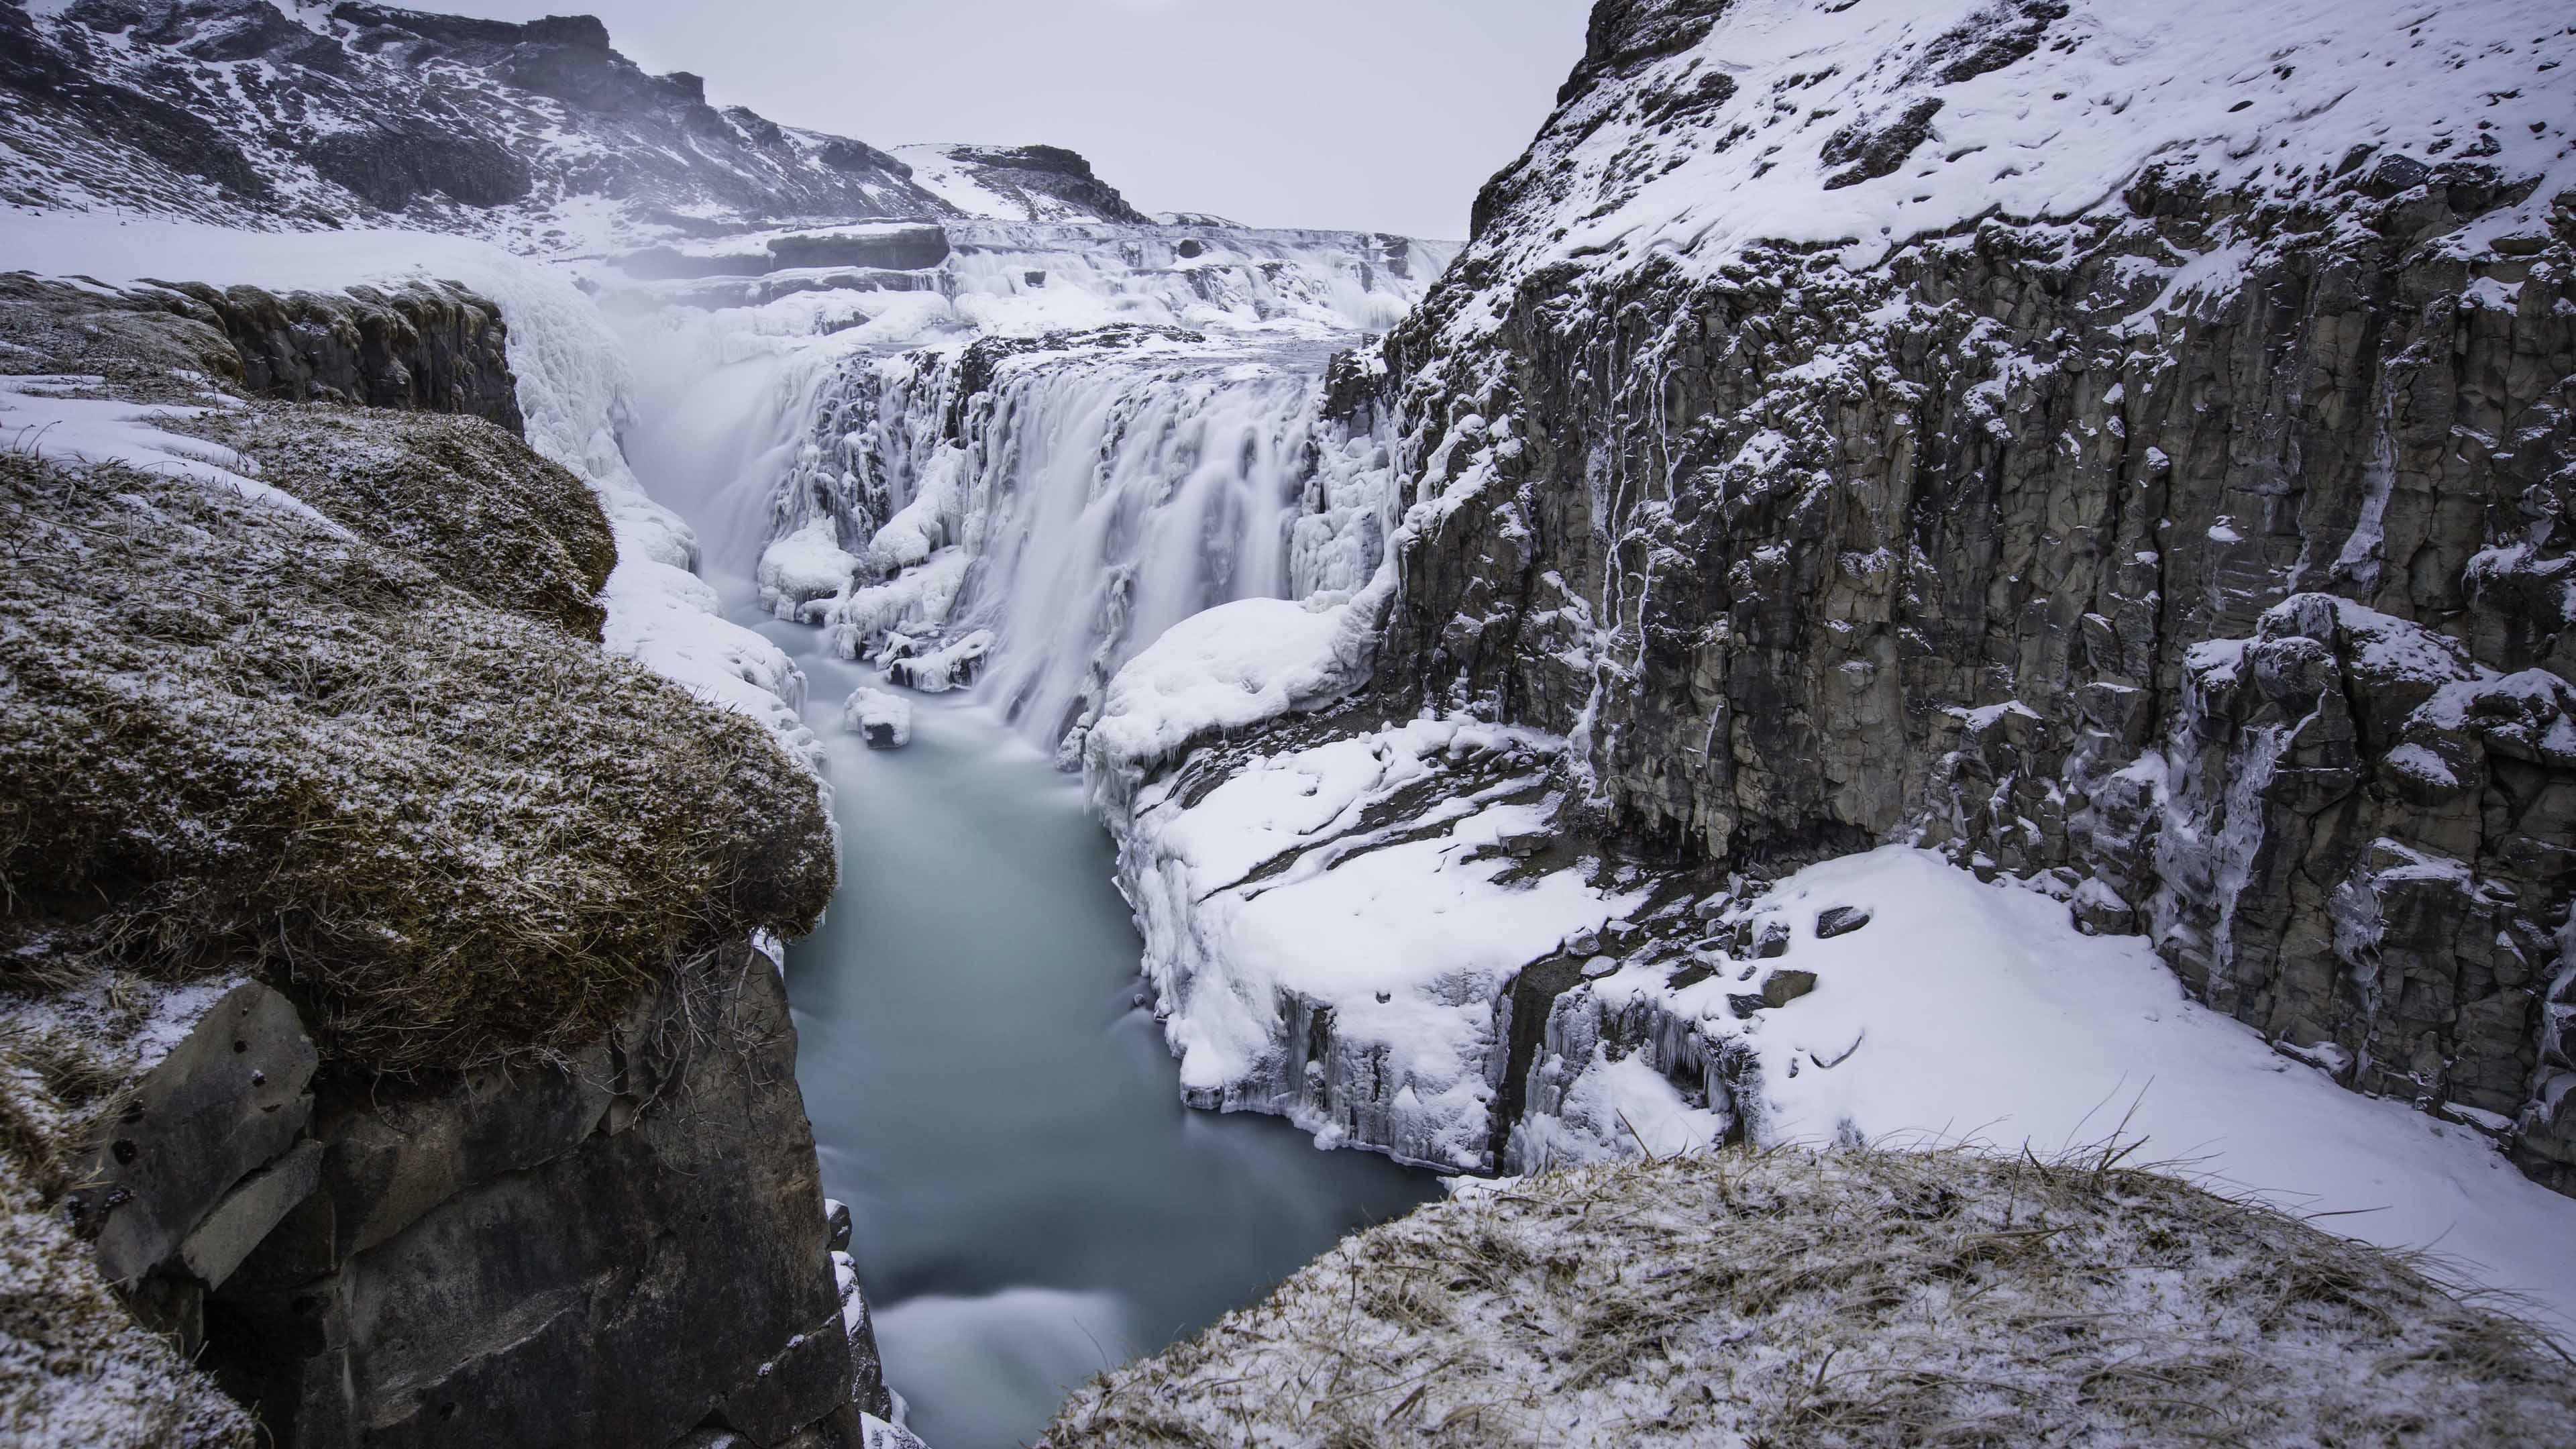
(1368, 114)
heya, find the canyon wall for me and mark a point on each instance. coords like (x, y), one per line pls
(2023, 430)
(398, 1053)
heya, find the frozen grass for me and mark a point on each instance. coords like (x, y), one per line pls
(230, 736)
(475, 504)
(1859, 1297)
(75, 1368)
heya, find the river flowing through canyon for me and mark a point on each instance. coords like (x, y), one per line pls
(989, 1089)
(1032, 1202)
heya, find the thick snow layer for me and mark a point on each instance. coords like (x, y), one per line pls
(953, 181)
(1966, 1011)
(573, 391)
(1228, 667)
(807, 564)
(884, 719)
(1313, 959)
(2271, 98)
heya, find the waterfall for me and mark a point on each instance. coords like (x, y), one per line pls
(1015, 469)
(1092, 494)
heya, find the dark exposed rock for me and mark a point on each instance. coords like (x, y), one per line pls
(905, 249)
(1782, 987)
(1839, 921)
(1878, 150)
(538, 1259)
(226, 1101)
(424, 347)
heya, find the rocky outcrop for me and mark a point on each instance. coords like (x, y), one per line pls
(625, 1248)
(423, 347)
(420, 347)
(1851, 1297)
(395, 1161)
(1020, 183)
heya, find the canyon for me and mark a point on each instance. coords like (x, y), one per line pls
(1982, 576)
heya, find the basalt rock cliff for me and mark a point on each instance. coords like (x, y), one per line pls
(2204, 539)
(2032, 430)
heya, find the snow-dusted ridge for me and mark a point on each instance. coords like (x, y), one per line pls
(268, 113)
(1862, 127)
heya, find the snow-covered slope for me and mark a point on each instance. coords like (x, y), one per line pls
(1017, 183)
(262, 112)
(1692, 130)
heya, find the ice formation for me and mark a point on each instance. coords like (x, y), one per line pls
(884, 720)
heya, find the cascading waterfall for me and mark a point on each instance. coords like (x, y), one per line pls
(1026, 463)
(1096, 494)
(1032, 458)
(1092, 495)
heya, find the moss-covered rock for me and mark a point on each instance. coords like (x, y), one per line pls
(230, 734)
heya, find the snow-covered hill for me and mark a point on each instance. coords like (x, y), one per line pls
(539, 135)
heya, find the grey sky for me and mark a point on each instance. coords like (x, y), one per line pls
(1376, 114)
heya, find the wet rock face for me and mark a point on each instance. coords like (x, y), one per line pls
(2243, 601)
(626, 1250)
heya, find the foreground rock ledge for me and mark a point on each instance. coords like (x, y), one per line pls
(1847, 1298)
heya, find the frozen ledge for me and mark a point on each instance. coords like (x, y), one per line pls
(1378, 930)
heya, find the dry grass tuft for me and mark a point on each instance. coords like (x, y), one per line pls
(1850, 1298)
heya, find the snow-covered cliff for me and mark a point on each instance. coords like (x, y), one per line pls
(2122, 449)
(265, 113)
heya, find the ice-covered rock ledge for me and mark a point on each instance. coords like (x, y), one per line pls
(1394, 933)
